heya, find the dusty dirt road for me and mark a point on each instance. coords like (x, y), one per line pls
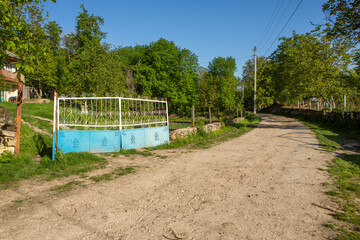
(263, 185)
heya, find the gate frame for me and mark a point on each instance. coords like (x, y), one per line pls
(57, 125)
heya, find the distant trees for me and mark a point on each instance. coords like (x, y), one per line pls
(304, 66)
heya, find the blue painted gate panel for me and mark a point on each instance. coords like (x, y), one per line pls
(111, 141)
(156, 136)
(88, 141)
(104, 141)
(133, 138)
(73, 141)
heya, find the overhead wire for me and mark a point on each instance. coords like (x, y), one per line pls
(276, 9)
(284, 26)
(277, 24)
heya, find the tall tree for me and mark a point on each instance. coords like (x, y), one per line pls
(309, 65)
(264, 89)
(86, 66)
(223, 70)
(344, 19)
(16, 33)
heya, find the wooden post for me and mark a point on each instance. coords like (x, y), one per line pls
(210, 118)
(344, 102)
(255, 80)
(192, 116)
(18, 117)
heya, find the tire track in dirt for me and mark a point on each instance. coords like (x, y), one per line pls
(263, 185)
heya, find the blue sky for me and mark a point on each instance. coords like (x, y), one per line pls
(209, 28)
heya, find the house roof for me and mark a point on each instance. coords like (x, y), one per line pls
(11, 57)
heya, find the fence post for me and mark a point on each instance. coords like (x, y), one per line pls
(344, 102)
(167, 113)
(210, 118)
(192, 116)
(18, 117)
(54, 128)
(120, 117)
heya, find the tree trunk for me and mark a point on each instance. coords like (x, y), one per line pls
(40, 91)
(36, 92)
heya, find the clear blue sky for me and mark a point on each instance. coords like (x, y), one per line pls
(208, 28)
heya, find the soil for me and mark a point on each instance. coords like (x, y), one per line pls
(266, 184)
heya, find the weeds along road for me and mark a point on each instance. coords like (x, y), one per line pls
(263, 185)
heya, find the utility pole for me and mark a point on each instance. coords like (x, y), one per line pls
(255, 80)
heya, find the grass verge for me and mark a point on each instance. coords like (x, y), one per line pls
(23, 167)
(120, 171)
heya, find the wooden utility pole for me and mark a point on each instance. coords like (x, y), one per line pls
(255, 80)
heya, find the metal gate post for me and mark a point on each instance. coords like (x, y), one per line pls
(54, 128)
(120, 117)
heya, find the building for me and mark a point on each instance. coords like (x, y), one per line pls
(9, 79)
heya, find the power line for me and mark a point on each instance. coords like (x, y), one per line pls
(269, 23)
(284, 26)
(278, 22)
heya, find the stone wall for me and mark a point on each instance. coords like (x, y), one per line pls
(184, 132)
(236, 120)
(7, 131)
(212, 127)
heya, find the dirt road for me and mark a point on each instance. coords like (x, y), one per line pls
(263, 185)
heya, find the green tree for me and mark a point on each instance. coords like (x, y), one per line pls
(309, 65)
(87, 56)
(207, 89)
(264, 80)
(344, 19)
(223, 70)
(16, 33)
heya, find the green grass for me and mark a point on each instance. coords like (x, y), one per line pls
(345, 172)
(179, 125)
(106, 176)
(128, 153)
(123, 171)
(204, 140)
(44, 110)
(66, 187)
(64, 165)
(117, 172)
(14, 168)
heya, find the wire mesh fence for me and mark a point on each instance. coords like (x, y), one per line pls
(109, 113)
